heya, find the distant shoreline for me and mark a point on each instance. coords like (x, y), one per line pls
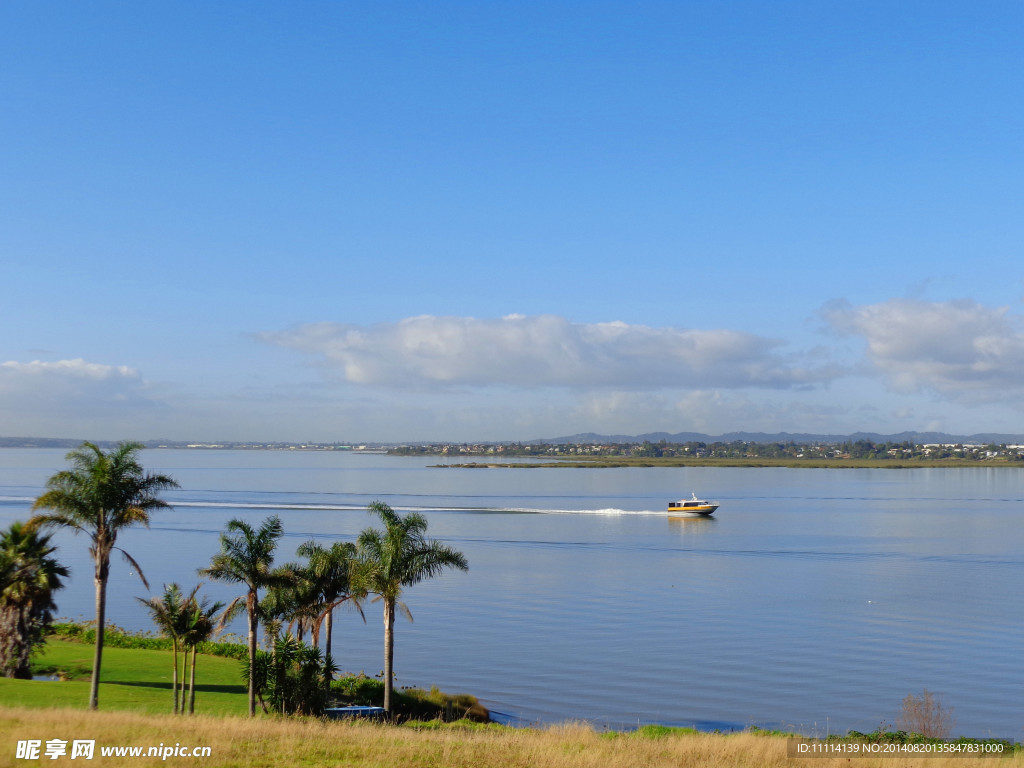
(614, 462)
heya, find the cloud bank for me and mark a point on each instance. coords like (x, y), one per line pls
(544, 351)
(69, 377)
(959, 349)
(520, 377)
(66, 394)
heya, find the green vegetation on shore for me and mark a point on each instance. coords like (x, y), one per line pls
(137, 676)
(103, 493)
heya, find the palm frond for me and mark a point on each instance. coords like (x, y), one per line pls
(403, 609)
(131, 561)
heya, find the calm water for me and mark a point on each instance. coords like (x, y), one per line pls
(814, 600)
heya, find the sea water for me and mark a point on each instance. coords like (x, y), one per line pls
(814, 600)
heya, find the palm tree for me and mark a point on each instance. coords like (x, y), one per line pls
(293, 601)
(166, 613)
(100, 495)
(397, 557)
(170, 613)
(332, 571)
(201, 623)
(28, 579)
(246, 557)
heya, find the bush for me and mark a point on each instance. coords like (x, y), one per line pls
(655, 731)
(359, 690)
(410, 703)
(116, 637)
(293, 679)
(926, 715)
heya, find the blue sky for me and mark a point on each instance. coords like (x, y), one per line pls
(472, 221)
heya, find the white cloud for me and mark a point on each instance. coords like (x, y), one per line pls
(53, 397)
(959, 349)
(544, 351)
(77, 369)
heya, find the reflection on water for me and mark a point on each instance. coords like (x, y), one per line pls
(812, 596)
(697, 525)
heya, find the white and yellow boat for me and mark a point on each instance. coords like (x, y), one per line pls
(692, 506)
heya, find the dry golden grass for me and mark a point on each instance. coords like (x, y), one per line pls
(239, 742)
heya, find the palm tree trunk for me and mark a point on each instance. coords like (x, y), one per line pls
(101, 616)
(174, 677)
(15, 644)
(329, 621)
(10, 639)
(389, 653)
(252, 654)
(192, 684)
(184, 663)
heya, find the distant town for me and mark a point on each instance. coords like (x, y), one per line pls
(625, 451)
(858, 449)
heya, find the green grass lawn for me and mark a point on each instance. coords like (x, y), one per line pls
(132, 679)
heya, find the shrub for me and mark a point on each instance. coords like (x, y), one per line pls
(656, 731)
(410, 703)
(292, 679)
(116, 637)
(926, 715)
(360, 690)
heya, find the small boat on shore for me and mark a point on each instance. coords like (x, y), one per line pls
(692, 506)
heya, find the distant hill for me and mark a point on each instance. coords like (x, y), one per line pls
(785, 437)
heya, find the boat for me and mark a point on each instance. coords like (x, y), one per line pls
(692, 506)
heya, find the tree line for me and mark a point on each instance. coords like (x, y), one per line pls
(103, 493)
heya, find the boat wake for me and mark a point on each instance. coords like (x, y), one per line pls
(361, 507)
(264, 505)
(606, 512)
